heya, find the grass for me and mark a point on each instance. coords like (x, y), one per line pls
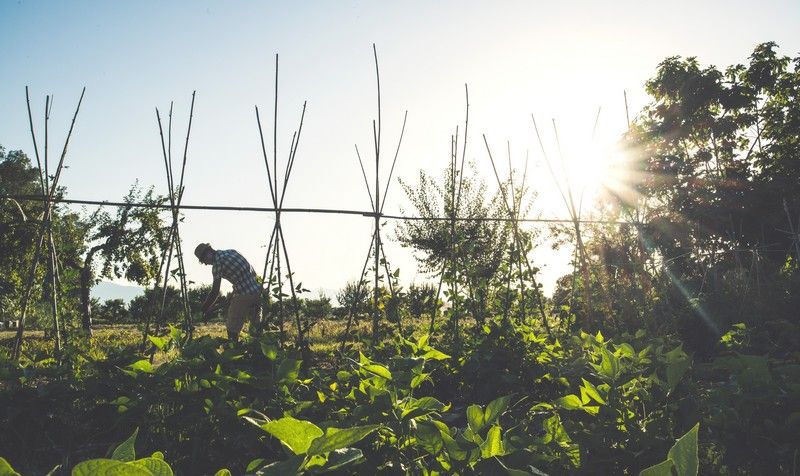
(324, 337)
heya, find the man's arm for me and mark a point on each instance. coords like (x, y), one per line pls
(212, 296)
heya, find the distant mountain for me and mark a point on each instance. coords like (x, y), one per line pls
(105, 290)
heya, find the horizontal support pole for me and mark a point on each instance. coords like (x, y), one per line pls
(326, 211)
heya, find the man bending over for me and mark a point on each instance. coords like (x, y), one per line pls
(232, 266)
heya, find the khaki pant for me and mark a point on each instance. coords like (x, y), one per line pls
(243, 307)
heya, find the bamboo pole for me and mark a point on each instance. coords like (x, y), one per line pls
(454, 218)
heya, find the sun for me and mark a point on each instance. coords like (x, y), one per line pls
(583, 173)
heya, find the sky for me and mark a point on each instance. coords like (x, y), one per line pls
(556, 60)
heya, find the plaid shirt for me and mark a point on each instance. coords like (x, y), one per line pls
(232, 266)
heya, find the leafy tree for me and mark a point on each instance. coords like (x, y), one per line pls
(480, 244)
(113, 311)
(354, 298)
(717, 182)
(128, 243)
(149, 304)
(419, 299)
(20, 223)
(317, 309)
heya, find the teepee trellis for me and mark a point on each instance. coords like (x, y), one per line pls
(377, 203)
(277, 243)
(174, 245)
(48, 187)
(521, 255)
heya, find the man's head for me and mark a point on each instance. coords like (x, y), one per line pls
(205, 253)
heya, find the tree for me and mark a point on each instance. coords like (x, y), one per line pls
(317, 309)
(113, 311)
(715, 189)
(149, 304)
(420, 298)
(480, 245)
(354, 298)
(129, 245)
(20, 222)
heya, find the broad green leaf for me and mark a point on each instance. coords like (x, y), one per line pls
(223, 472)
(417, 380)
(336, 438)
(475, 418)
(434, 354)
(269, 350)
(420, 407)
(342, 457)
(493, 445)
(160, 342)
(155, 466)
(282, 468)
(570, 402)
(495, 408)
(609, 365)
(422, 341)
(625, 350)
(297, 435)
(591, 391)
(108, 467)
(677, 365)
(378, 370)
(6, 469)
(143, 365)
(684, 453)
(429, 437)
(125, 451)
(663, 468)
(289, 369)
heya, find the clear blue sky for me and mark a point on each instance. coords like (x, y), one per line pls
(556, 59)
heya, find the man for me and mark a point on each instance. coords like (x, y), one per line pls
(232, 266)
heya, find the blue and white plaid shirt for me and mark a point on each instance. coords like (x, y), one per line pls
(232, 266)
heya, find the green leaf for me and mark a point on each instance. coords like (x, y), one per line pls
(378, 370)
(434, 354)
(269, 350)
(108, 467)
(6, 469)
(282, 468)
(336, 438)
(125, 451)
(495, 408)
(663, 468)
(251, 466)
(289, 370)
(423, 341)
(420, 407)
(677, 365)
(297, 435)
(493, 445)
(570, 402)
(154, 466)
(143, 365)
(429, 437)
(223, 472)
(591, 391)
(684, 453)
(342, 457)
(417, 380)
(475, 418)
(609, 365)
(160, 342)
